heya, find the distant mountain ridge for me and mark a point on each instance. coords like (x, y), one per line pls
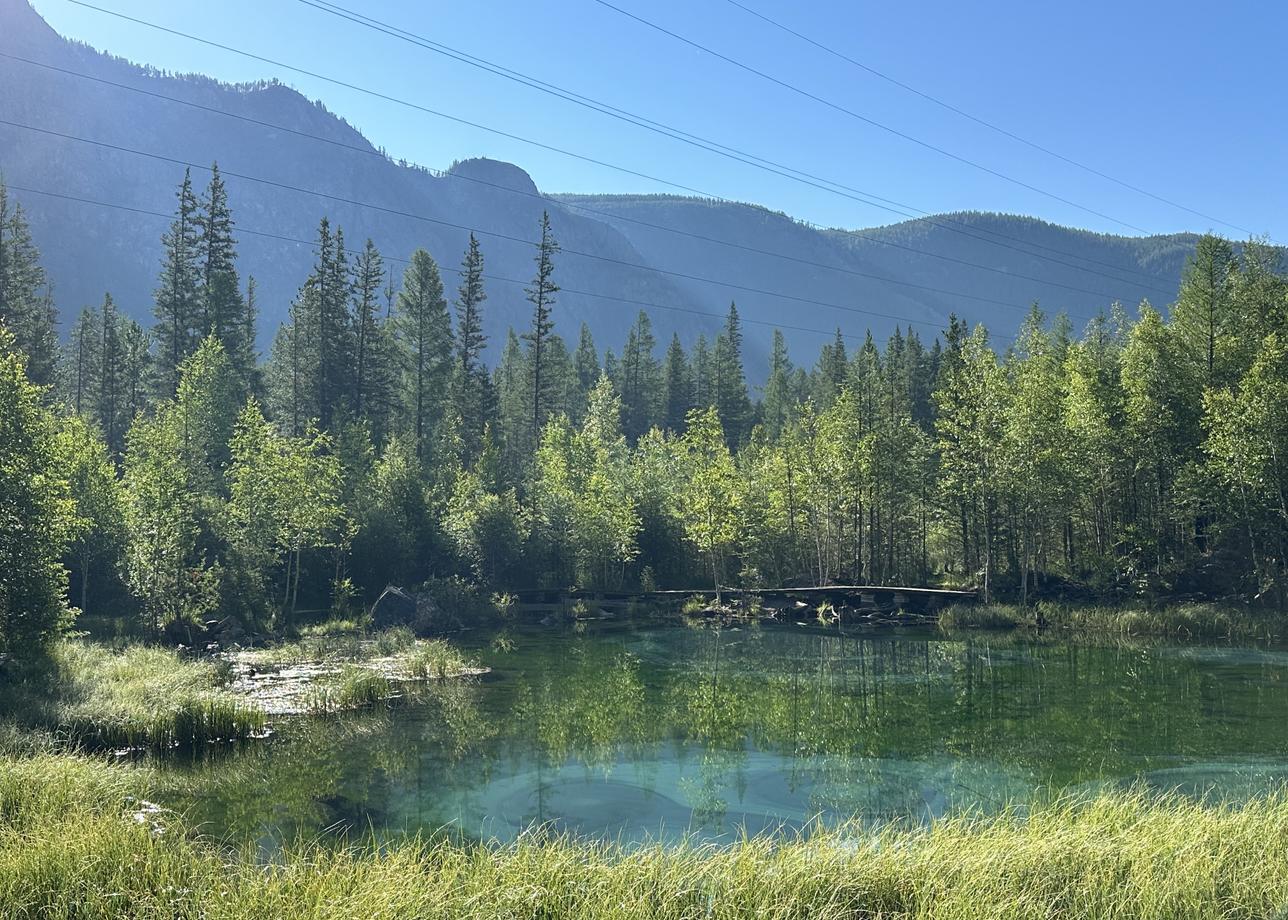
(826, 278)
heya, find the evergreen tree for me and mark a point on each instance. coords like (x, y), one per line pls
(221, 308)
(542, 297)
(587, 370)
(640, 382)
(178, 289)
(27, 312)
(472, 396)
(372, 377)
(83, 362)
(677, 384)
(111, 377)
(730, 383)
(423, 332)
(777, 404)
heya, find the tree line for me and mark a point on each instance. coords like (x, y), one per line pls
(165, 474)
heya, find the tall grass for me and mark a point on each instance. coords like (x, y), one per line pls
(134, 696)
(69, 847)
(352, 688)
(1179, 621)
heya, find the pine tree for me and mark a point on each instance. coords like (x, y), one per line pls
(587, 370)
(27, 312)
(542, 297)
(111, 377)
(222, 310)
(82, 362)
(368, 378)
(423, 332)
(677, 384)
(777, 404)
(639, 383)
(472, 396)
(178, 289)
(730, 382)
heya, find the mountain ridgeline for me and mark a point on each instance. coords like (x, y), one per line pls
(287, 162)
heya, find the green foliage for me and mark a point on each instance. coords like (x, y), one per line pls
(37, 509)
(137, 696)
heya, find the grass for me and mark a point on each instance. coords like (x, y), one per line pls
(72, 846)
(1181, 621)
(352, 688)
(367, 669)
(130, 697)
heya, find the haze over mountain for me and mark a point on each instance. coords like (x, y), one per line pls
(914, 272)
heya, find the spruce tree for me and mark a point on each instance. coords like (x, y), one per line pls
(423, 332)
(471, 388)
(513, 421)
(25, 310)
(368, 279)
(677, 387)
(82, 362)
(111, 377)
(777, 404)
(730, 382)
(640, 383)
(222, 309)
(178, 289)
(586, 367)
(542, 297)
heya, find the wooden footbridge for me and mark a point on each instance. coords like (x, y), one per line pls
(843, 602)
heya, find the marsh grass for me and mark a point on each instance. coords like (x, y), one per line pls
(353, 687)
(1181, 621)
(131, 697)
(71, 846)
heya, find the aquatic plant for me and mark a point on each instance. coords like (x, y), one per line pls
(1183, 621)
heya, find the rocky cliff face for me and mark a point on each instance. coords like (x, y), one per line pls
(89, 249)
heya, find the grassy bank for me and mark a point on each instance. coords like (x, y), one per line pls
(132, 696)
(73, 844)
(1181, 621)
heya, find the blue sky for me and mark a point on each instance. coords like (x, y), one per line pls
(1183, 100)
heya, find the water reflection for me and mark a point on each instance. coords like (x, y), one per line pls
(638, 733)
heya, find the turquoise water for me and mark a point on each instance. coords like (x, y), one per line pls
(656, 731)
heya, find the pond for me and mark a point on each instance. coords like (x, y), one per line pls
(654, 731)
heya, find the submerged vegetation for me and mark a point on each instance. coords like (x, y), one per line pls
(74, 842)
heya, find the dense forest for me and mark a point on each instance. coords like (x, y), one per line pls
(165, 475)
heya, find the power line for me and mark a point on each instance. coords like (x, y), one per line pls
(738, 155)
(944, 223)
(456, 271)
(369, 151)
(863, 118)
(975, 118)
(514, 239)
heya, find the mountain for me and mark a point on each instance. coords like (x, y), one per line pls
(916, 272)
